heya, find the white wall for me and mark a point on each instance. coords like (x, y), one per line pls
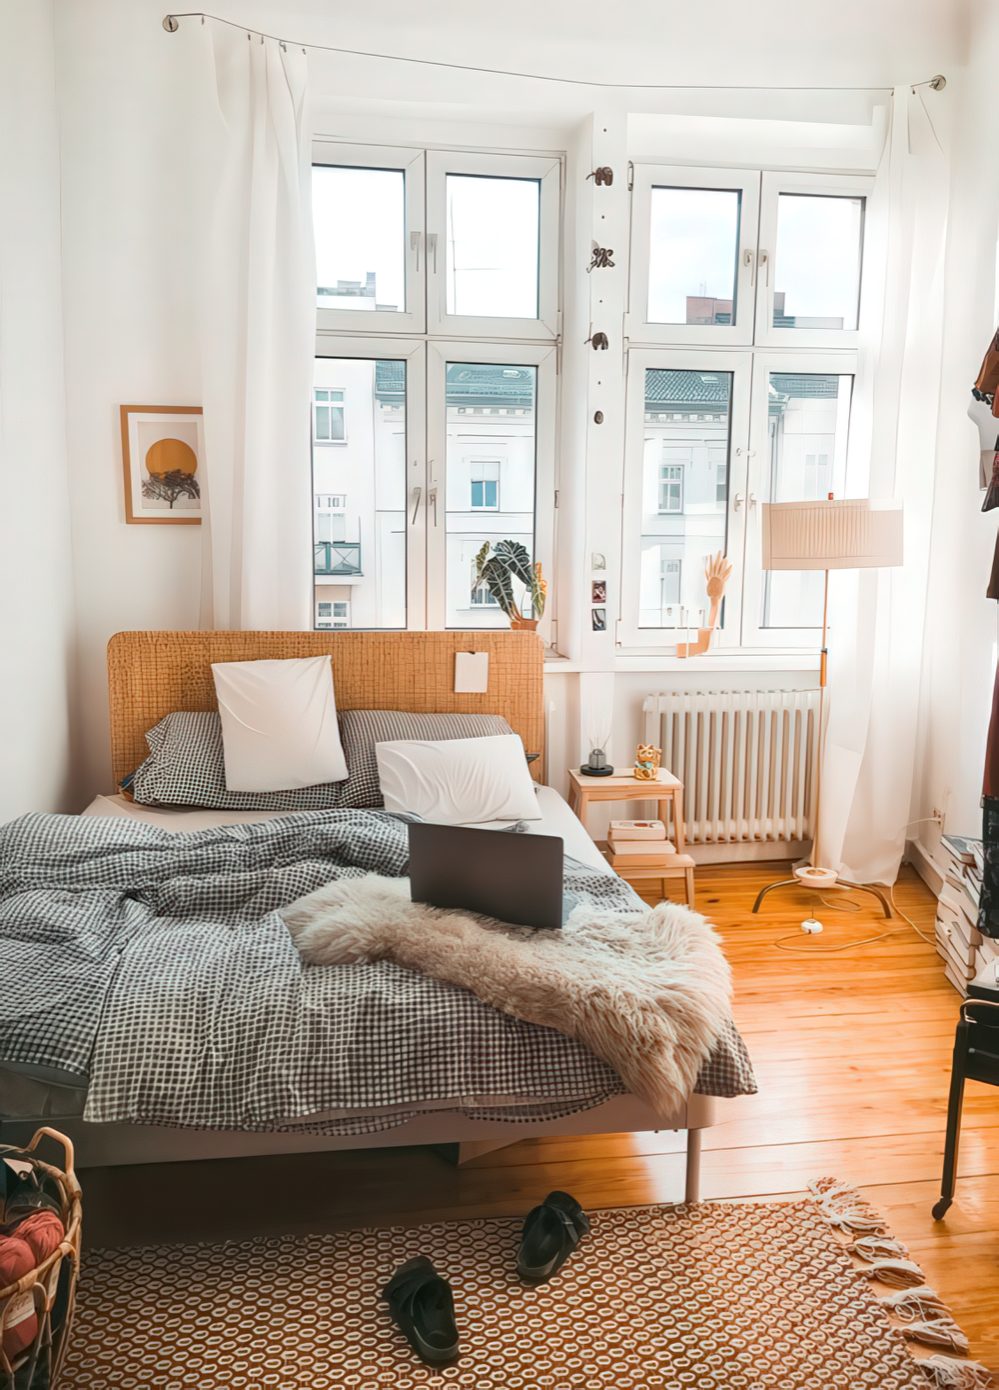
(961, 631)
(129, 297)
(36, 583)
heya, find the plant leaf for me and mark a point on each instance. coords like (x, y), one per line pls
(515, 557)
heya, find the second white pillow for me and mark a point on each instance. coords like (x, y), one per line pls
(279, 726)
(461, 781)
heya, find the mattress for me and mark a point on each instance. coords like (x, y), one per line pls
(556, 819)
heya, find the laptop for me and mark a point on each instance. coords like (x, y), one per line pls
(514, 878)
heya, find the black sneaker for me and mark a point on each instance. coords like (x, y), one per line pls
(422, 1305)
(551, 1233)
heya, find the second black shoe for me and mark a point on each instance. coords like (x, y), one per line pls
(422, 1305)
(551, 1233)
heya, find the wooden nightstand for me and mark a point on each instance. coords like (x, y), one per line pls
(667, 792)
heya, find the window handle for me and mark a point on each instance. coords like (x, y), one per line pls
(432, 249)
(417, 494)
(765, 264)
(432, 502)
(738, 500)
(415, 238)
(749, 259)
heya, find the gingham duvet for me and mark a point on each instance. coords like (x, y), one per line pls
(154, 967)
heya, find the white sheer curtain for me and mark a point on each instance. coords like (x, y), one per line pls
(257, 337)
(877, 616)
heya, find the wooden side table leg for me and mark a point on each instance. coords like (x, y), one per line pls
(680, 838)
(688, 879)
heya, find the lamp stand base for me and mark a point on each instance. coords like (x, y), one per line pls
(844, 883)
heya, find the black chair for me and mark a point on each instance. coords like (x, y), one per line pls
(976, 1058)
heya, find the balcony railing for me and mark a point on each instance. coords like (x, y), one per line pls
(338, 557)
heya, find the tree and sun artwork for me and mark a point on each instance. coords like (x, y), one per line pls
(162, 450)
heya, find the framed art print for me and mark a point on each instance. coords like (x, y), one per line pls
(162, 450)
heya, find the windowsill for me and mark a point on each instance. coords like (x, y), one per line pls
(742, 659)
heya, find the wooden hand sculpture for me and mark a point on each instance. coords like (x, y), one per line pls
(717, 569)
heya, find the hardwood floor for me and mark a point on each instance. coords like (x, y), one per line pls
(852, 1052)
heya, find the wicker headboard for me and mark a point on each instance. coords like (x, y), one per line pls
(151, 674)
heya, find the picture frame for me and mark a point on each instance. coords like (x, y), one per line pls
(599, 619)
(162, 453)
(598, 591)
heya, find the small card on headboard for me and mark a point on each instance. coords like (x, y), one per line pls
(471, 673)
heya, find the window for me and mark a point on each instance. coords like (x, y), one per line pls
(803, 458)
(359, 535)
(481, 595)
(484, 485)
(455, 255)
(494, 405)
(328, 423)
(724, 256)
(737, 278)
(368, 215)
(671, 486)
(679, 510)
(333, 613)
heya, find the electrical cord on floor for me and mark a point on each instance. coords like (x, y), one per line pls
(802, 950)
(851, 905)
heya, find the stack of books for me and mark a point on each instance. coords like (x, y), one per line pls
(964, 949)
(638, 844)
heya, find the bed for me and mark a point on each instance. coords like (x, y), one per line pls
(526, 1083)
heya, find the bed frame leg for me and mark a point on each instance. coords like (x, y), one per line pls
(692, 1185)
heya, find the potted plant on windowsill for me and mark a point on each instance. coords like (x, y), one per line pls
(510, 562)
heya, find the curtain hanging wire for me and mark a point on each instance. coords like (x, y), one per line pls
(171, 23)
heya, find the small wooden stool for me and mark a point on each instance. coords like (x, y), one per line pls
(667, 792)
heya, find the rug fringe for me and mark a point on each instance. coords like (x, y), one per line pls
(923, 1313)
(910, 1304)
(947, 1374)
(897, 1274)
(844, 1208)
(872, 1248)
(940, 1332)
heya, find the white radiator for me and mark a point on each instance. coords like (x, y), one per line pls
(746, 759)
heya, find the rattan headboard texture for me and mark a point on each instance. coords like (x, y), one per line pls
(150, 674)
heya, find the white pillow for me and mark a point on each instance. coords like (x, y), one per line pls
(458, 781)
(279, 727)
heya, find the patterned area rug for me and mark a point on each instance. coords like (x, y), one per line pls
(715, 1296)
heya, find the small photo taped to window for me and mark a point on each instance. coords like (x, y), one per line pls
(598, 591)
(599, 619)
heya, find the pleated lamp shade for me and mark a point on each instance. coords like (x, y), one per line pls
(855, 533)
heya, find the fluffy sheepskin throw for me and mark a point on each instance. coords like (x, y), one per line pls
(647, 992)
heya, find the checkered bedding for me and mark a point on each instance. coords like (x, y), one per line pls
(154, 967)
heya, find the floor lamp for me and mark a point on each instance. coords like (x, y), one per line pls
(829, 535)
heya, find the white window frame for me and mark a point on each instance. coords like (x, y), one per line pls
(548, 171)
(816, 185)
(669, 483)
(341, 405)
(754, 635)
(412, 319)
(739, 364)
(639, 328)
(476, 476)
(502, 354)
(414, 355)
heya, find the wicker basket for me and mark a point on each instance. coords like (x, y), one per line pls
(39, 1364)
